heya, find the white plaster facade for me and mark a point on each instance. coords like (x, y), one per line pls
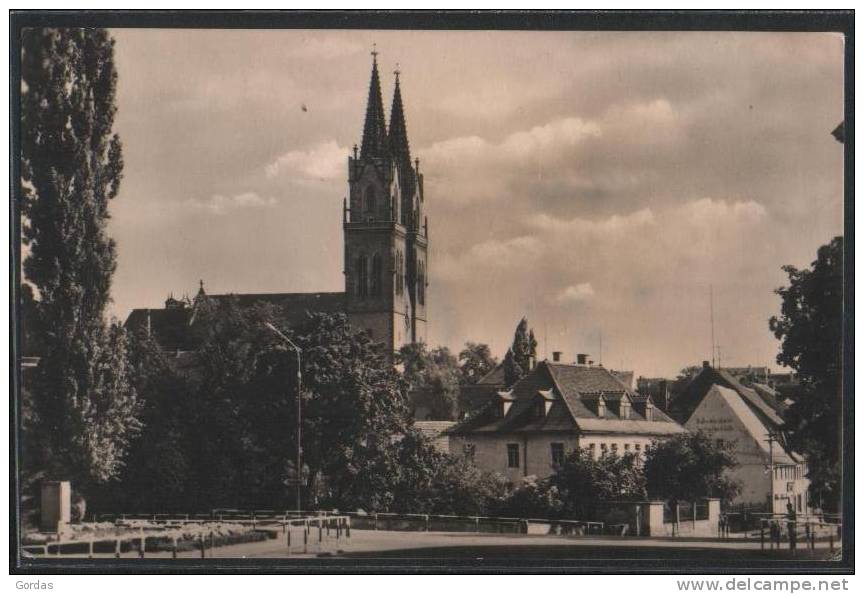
(723, 414)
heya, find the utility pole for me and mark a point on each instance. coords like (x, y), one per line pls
(711, 305)
(772, 437)
(297, 350)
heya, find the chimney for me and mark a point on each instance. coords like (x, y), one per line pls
(581, 359)
(590, 362)
(532, 362)
(556, 356)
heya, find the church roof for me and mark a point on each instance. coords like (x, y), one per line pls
(398, 137)
(170, 326)
(167, 326)
(375, 139)
(295, 305)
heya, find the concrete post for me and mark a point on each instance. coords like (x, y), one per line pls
(56, 505)
(654, 518)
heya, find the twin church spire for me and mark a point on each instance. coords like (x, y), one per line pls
(377, 143)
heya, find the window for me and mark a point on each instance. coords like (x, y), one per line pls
(557, 454)
(513, 455)
(370, 204)
(614, 448)
(362, 277)
(421, 282)
(468, 450)
(376, 275)
(638, 447)
(603, 449)
(601, 408)
(400, 273)
(626, 447)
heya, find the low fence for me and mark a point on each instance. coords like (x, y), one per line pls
(775, 529)
(171, 533)
(477, 524)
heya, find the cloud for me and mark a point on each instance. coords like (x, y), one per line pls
(576, 293)
(323, 161)
(220, 205)
(614, 225)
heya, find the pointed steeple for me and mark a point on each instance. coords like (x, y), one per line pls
(398, 139)
(375, 129)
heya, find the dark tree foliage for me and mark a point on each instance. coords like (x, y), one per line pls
(84, 410)
(810, 328)
(475, 361)
(583, 481)
(433, 379)
(689, 467)
(517, 361)
(533, 498)
(220, 424)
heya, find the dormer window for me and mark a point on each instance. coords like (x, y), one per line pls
(625, 408)
(601, 408)
(505, 401)
(649, 411)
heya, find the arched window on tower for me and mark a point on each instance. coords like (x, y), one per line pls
(362, 277)
(370, 204)
(421, 282)
(376, 275)
(400, 272)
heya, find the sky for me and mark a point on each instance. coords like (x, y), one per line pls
(602, 184)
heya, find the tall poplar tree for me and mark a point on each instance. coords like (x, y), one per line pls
(517, 361)
(84, 407)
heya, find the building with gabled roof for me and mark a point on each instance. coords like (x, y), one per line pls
(771, 474)
(386, 238)
(556, 408)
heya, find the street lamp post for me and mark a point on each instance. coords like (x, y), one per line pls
(297, 350)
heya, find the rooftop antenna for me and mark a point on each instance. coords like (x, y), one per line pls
(713, 344)
(545, 338)
(600, 357)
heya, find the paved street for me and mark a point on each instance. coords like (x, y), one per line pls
(465, 546)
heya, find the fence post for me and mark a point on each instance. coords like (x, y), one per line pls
(306, 536)
(90, 551)
(427, 522)
(762, 535)
(174, 547)
(376, 520)
(477, 524)
(288, 538)
(201, 543)
(348, 527)
(116, 548)
(831, 540)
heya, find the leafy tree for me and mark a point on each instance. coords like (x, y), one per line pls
(517, 361)
(475, 361)
(689, 467)
(433, 378)
(810, 328)
(583, 481)
(84, 409)
(533, 498)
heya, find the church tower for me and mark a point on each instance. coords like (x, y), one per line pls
(386, 234)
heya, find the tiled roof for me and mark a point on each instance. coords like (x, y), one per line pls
(577, 389)
(494, 377)
(170, 326)
(769, 410)
(295, 305)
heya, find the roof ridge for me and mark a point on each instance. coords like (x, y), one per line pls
(561, 393)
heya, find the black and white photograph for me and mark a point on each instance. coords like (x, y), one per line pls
(437, 292)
